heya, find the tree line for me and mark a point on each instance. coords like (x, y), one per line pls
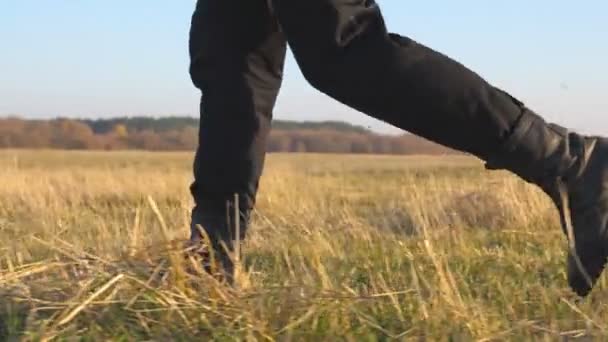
(181, 133)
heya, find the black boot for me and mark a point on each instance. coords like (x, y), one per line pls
(224, 234)
(573, 170)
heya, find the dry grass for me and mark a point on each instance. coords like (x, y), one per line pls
(341, 248)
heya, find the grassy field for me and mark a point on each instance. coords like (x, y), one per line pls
(356, 248)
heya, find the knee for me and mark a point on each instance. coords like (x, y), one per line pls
(196, 75)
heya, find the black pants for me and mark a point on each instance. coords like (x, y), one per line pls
(345, 51)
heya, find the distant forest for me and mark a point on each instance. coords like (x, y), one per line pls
(181, 133)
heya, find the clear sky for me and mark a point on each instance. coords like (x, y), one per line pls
(99, 58)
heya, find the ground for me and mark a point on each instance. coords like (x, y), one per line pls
(360, 248)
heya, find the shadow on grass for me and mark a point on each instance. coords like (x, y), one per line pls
(15, 316)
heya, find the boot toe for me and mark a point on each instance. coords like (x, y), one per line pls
(593, 263)
(588, 199)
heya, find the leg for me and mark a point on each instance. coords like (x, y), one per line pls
(237, 57)
(347, 53)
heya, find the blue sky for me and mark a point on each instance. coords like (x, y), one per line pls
(108, 57)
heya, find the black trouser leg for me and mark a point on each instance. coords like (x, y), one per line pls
(237, 57)
(344, 50)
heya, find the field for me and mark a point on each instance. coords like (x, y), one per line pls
(358, 248)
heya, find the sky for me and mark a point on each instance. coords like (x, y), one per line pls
(103, 58)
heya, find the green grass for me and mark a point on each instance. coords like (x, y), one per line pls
(359, 248)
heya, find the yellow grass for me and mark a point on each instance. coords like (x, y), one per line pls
(340, 248)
